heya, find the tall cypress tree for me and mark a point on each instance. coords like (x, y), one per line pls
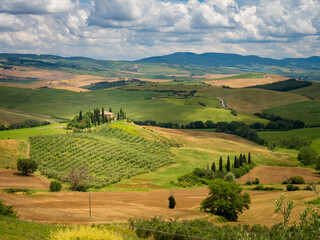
(102, 115)
(220, 164)
(244, 159)
(228, 164)
(110, 109)
(208, 167)
(213, 167)
(235, 162)
(80, 116)
(240, 160)
(249, 158)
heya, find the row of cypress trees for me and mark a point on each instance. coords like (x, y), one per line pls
(238, 162)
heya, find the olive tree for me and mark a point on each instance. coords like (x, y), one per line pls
(26, 166)
(225, 199)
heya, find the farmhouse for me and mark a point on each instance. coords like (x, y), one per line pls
(107, 114)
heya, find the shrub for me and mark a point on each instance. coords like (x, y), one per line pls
(85, 232)
(6, 210)
(248, 183)
(81, 188)
(308, 155)
(296, 180)
(225, 199)
(263, 188)
(291, 187)
(256, 181)
(26, 166)
(14, 190)
(230, 177)
(55, 186)
(172, 202)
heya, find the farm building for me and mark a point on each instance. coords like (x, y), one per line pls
(107, 114)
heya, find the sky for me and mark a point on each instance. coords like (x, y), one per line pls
(134, 29)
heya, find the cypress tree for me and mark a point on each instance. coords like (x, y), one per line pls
(208, 167)
(235, 162)
(80, 115)
(240, 160)
(244, 159)
(249, 158)
(110, 109)
(228, 164)
(220, 164)
(213, 167)
(102, 115)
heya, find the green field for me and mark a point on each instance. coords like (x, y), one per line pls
(309, 112)
(312, 91)
(246, 75)
(312, 133)
(112, 154)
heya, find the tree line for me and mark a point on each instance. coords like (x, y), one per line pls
(28, 123)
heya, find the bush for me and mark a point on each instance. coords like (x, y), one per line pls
(291, 187)
(81, 188)
(256, 181)
(296, 180)
(6, 210)
(230, 177)
(263, 188)
(26, 166)
(225, 199)
(308, 155)
(15, 190)
(55, 186)
(172, 202)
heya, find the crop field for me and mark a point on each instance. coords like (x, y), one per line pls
(312, 133)
(11, 151)
(309, 112)
(110, 153)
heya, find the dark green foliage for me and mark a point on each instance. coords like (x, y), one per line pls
(295, 142)
(263, 188)
(102, 115)
(296, 180)
(15, 190)
(55, 186)
(213, 167)
(28, 123)
(106, 85)
(315, 201)
(278, 123)
(26, 166)
(81, 188)
(6, 210)
(249, 158)
(172, 202)
(291, 187)
(229, 177)
(80, 116)
(284, 86)
(225, 199)
(244, 159)
(220, 165)
(308, 155)
(228, 167)
(256, 181)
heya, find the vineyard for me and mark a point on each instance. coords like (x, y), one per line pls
(111, 154)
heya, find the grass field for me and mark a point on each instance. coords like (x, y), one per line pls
(11, 151)
(309, 112)
(312, 133)
(312, 91)
(25, 133)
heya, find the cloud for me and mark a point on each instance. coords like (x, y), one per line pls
(36, 6)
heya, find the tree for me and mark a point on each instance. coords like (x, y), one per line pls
(229, 177)
(55, 186)
(228, 164)
(213, 167)
(77, 175)
(80, 116)
(244, 159)
(26, 166)
(225, 199)
(110, 109)
(249, 158)
(220, 164)
(172, 201)
(308, 155)
(284, 208)
(102, 115)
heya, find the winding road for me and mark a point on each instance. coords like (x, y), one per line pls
(222, 102)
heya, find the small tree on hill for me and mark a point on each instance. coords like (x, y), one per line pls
(284, 209)
(249, 158)
(77, 175)
(55, 186)
(110, 109)
(220, 164)
(228, 164)
(26, 166)
(308, 155)
(172, 201)
(80, 116)
(244, 159)
(225, 199)
(213, 167)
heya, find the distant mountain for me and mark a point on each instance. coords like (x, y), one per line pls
(229, 60)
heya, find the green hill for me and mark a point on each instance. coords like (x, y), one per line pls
(111, 154)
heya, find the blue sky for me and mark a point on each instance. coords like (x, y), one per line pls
(133, 29)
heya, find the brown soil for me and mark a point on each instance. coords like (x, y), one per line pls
(269, 175)
(13, 179)
(246, 82)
